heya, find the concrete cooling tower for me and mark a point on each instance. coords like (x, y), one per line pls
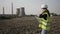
(20, 11)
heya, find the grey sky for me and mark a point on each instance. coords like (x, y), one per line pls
(31, 6)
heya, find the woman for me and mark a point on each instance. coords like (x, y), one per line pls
(44, 19)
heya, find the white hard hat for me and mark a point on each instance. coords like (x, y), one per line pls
(44, 6)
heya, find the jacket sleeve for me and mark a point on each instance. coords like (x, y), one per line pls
(43, 16)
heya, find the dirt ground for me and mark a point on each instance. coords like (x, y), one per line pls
(27, 25)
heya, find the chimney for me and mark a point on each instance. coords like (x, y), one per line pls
(12, 8)
(3, 10)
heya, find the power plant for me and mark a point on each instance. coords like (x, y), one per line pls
(20, 23)
(19, 12)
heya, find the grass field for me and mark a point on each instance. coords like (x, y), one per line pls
(27, 25)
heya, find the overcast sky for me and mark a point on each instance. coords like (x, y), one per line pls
(31, 6)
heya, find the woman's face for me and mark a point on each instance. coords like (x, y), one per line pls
(43, 9)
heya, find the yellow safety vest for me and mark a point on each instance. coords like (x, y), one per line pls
(45, 24)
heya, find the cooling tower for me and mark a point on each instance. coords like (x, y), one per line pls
(20, 11)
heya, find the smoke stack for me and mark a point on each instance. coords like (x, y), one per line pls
(12, 8)
(3, 10)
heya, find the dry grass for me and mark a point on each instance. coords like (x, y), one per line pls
(27, 25)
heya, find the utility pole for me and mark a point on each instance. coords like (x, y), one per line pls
(12, 8)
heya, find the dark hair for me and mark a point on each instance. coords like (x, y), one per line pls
(46, 10)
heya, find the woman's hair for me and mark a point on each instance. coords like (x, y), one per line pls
(46, 10)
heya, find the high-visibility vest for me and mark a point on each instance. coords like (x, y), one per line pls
(45, 24)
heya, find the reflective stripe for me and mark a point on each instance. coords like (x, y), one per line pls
(42, 19)
(44, 23)
(43, 27)
(39, 25)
